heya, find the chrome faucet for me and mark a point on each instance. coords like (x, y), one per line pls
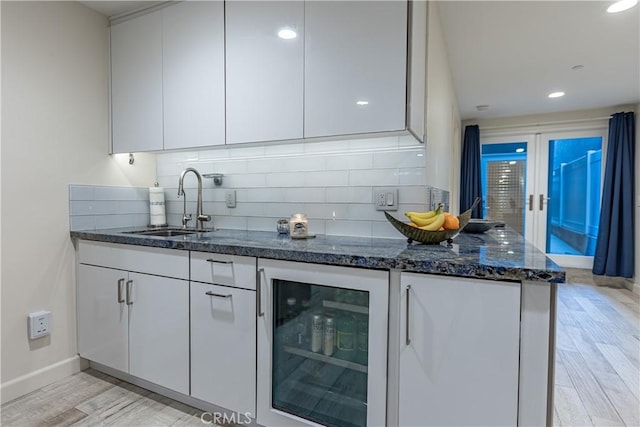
(200, 217)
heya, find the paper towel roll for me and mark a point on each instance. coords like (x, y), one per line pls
(157, 215)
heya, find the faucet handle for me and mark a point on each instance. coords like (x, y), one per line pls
(203, 217)
(185, 219)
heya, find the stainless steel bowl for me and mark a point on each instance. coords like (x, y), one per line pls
(480, 225)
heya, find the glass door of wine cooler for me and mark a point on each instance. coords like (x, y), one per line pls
(325, 361)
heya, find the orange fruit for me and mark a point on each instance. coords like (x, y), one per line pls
(451, 222)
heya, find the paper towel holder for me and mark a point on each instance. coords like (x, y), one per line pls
(217, 177)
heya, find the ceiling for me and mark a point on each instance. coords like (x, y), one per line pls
(510, 55)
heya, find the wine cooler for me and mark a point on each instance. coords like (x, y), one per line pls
(322, 336)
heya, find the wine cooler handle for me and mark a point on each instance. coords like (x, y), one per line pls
(129, 292)
(407, 337)
(120, 288)
(530, 202)
(259, 292)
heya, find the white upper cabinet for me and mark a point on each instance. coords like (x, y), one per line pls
(264, 70)
(355, 67)
(193, 74)
(136, 84)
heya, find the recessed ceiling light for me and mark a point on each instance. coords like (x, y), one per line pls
(577, 67)
(513, 162)
(519, 150)
(621, 6)
(482, 107)
(362, 102)
(287, 34)
(556, 94)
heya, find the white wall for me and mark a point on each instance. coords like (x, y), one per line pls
(54, 132)
(443, 119)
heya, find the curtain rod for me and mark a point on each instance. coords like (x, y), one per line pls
(534, 124)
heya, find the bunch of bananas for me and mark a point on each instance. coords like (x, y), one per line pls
(433, 220)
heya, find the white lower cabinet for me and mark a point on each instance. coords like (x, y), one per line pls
(134, 322)
(459, 351)
(223, 346)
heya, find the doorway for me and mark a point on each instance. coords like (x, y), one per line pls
(547, 186)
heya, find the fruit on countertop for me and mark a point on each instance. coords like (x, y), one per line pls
(433, 220)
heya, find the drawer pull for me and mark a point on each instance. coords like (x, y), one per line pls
(120, 286)
(219, 262)
(408, 336)
(213, 294)
(259, 292)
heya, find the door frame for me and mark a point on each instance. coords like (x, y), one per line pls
(537, 138)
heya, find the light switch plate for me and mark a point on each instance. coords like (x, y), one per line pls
(385, 198)
(230, 198)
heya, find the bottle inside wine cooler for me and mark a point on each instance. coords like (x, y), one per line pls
(346, 336)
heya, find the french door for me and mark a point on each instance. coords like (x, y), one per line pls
(547, 186)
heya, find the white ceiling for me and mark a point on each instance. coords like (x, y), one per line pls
(117, 7)
(510, 55)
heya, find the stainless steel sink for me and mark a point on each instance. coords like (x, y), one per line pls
(165, 232)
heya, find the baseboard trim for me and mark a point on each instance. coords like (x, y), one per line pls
(37, 379)
(636, 288)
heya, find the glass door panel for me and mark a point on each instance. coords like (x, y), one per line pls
(503, 183)
(573, 206)
(320, 352)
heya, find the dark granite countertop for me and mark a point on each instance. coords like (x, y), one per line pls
(499, 254)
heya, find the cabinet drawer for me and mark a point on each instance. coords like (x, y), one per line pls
(228, 270)
(141, 259)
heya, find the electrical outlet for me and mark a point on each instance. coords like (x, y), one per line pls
(39, 324)
(385, 199)
(230, 198)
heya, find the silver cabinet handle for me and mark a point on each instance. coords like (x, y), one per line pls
(259, 292)
(129, 292)
(407, 337)
(120, 286)
(530, 202)
(541, 201)
(219, 262)
(212, 294)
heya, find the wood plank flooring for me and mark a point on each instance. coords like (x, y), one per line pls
(596, 378)
(91, 398)
(597, 357)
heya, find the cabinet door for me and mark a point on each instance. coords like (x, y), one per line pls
(136, 84)
(193, 74)
(461, 365)
(159, 331)
(102, 316)
(264, 71)
(223, 346)
(355, 67)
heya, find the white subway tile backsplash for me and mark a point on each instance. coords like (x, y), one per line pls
(373, 177)
(304, 194)
(82, 222)
(330, 181)
(349, 161)
(350, 195)
(326, 178)
(402, 159)
(81, 192)
(348, 228)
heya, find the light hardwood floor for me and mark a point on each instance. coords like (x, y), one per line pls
(596, 381)
(597, 356)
